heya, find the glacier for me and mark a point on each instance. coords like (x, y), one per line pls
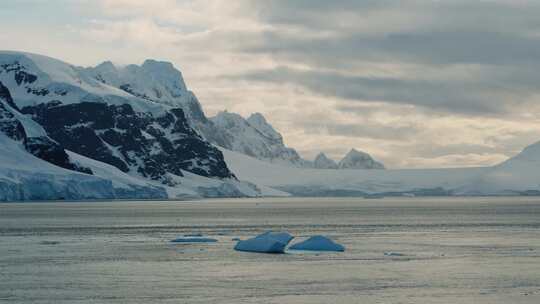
(517, 176)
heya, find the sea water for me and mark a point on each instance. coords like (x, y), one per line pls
(410, 250)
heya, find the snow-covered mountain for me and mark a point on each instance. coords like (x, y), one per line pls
(323, 162)
(139, 127)
(158, 82)
(255, 137)
(517, 175)
(359, 160)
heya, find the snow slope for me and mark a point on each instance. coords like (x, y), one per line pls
(517, 175)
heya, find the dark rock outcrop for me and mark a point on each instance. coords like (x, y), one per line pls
(42, 146)
(131, 141)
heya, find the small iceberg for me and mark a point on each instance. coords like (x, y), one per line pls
(318, 243)
(268, 242)
(194, 239)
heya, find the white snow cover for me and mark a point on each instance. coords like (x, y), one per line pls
(68, 83)
(318, 243)
(519, 175)
(317, 182)
(268, 242)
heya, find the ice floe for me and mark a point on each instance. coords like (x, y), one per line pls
(194, 239)
(268, 242)
(318, 243)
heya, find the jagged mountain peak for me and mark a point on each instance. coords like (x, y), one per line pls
(159, 65)
(106, 66)
(259, 122)
(323, 162)
(356, 159)
(255, 137)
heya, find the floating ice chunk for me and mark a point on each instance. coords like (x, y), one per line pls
(268, 242)
(318, 243)
(49, 242)
(283, 237)
(194, 239)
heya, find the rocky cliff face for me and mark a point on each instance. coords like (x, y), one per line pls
(133, 142)
(158, 82)
(33, 138)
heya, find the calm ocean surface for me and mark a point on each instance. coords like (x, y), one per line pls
(445, 250)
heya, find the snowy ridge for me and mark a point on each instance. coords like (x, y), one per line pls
(257, 138)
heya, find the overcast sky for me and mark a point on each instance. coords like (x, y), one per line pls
(415, 83)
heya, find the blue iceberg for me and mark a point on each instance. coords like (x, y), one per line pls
(318, 243)
(194, 239)
(268, 242)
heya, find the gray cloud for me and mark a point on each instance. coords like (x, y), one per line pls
(336, 40)
(451, 96)
(370, 130)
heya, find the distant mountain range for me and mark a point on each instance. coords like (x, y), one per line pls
(108, 132)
